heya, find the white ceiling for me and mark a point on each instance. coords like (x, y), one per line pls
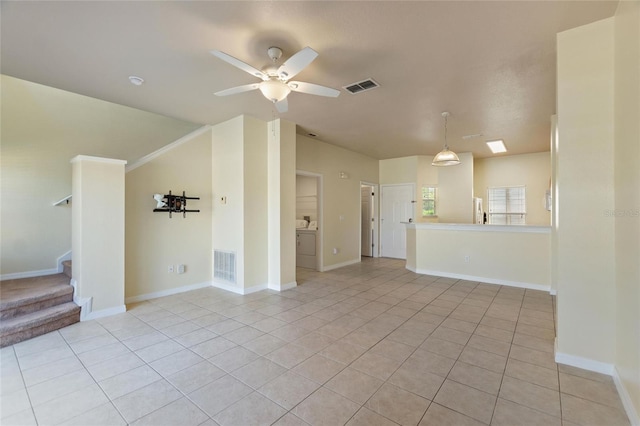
(490, 63)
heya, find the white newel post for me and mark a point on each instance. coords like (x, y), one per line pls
(98, 235)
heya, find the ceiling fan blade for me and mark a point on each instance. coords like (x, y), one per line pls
(283, 105)
(238, 89)
(239, 64)
(296, 63)
(313, 89)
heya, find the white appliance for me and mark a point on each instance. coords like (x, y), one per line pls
(478, 214)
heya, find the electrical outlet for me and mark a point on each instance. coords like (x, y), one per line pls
(467, 258)
(336, 250)
(181, 269)
(170, 269)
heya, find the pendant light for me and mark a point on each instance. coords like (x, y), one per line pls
(446, 157)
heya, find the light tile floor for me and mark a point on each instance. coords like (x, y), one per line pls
(368, 344)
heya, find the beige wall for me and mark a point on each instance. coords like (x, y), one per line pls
(530, 170)
(153, 240)
(341, 197)
(253, 168)
(627, 196)
(98, 234)
(417, 170)
(228, 181)
(282, 204)
(398, 170)
(518, 256)
(42, 128)
(455, 191)
(306, 197)
(256, 199)
(585, 234)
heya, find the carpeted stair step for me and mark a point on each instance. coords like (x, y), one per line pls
(23, 327)
(66, 268)
(27, 295)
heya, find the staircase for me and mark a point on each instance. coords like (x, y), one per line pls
(30, 307)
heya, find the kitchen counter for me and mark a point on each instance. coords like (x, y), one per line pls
(518, 256)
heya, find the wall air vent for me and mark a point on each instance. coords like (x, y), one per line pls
(224, 265)
(361, 86)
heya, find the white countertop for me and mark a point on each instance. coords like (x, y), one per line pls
(535, 229)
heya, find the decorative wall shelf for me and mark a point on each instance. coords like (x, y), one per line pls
(173, 203)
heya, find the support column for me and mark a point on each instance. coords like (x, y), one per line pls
(282, 207)
(98, 235)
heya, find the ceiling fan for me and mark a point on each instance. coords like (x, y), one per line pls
(275, 84)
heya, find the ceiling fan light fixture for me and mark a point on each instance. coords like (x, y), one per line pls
(446, 157)
(274, 90)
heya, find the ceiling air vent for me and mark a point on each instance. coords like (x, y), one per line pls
(361, 86)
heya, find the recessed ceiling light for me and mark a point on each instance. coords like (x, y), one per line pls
(137, 81)
(497, 146)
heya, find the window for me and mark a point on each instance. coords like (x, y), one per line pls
(507, 205)
(428, 201)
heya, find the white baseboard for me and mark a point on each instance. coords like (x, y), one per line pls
(603, 368)
(584, 363)
(627, 402)
(104, 313)
(283, 287)
(28, 274)
(66, 256)
(239, 290)
(227, 287)
(339, 265)
(519, 284)
(40, 273)
(168, 292)
(86, 308)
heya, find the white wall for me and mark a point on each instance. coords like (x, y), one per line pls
(627, 197)
(585, 178)
(530, 170)
(42, 129)
(341, 197)
(153, 240)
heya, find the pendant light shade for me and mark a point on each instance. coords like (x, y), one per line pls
(446, 157)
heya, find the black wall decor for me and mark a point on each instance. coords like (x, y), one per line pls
(174, 203)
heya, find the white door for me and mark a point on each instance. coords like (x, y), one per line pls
(366, 220)
(397, 207)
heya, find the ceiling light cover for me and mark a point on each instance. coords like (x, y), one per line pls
(135, 80)
(446, 157)
(497, 146)
(274, 90)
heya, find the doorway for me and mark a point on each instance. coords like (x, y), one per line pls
(308, 220)
(397, 209)
(368, 225)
